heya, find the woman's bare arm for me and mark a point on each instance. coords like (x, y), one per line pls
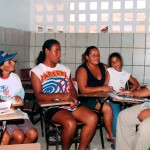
(134, 82)
(81, 76)
(37, 87)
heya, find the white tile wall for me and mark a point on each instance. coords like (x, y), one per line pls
(21, 38)
(21, 54)
(71, 39)
(147, 57)
(127, 40)
(112, 50)
(50, 36)
(115, 39)
(61, 37)
(72, 68)
(63, 55)
(79, 52)
(81, 40)
(138, 73)
(15, 37)
(147, 75)
(27, 38)
(103, 40)
(138, 56)
(139, 40)
(32, 38)
(70, 55)
(148, 40)
(127, 56)
(134, 48)
(39, 39)
(92, 39)
(127, 68)
(2, 35)
(2, 47)
(27, 54)
(8, 36)
(104, 53)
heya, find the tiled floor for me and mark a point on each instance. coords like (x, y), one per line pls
(95, 144)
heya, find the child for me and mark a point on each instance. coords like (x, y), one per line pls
(117, 78)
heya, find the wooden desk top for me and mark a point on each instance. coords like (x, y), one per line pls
(17, 114)
(95, 94)
(31, 146)
(53, 103)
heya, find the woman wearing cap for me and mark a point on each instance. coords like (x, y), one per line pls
(10, 86)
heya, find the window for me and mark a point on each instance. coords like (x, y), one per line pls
(76, 16)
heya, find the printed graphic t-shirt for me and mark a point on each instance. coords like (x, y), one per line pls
(53, 80)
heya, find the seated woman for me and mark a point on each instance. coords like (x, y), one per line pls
(90, 77)
(52, 80)
(10, 86)
(117, 78)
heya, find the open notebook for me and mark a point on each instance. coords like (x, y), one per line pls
(118, 96)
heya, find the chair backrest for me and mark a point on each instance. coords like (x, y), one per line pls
(24, 74)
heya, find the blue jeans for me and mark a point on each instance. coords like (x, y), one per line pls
(116, 108)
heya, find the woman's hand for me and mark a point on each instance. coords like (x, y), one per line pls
(74, 103)
(106, 88)
(144, 114)
(126, 92)
(17, 99)
(64, 96)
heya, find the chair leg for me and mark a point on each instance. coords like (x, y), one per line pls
(41, 116)
(102, 139)
(57, 140)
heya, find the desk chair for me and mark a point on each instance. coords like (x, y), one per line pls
(2, 130)
(53, 130)
(53, 134)
(30, 105)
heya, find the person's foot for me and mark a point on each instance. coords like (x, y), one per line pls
(107, 137)
(113, 145)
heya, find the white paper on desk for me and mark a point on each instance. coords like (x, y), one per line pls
(120, 97)
(5, 106)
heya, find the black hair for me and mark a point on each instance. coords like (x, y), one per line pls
(1, 71)
(88, 50)
(115, 54)
(47, 44)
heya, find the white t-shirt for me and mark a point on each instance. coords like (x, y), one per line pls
(11, 87)
(118, 79)
(53, 80)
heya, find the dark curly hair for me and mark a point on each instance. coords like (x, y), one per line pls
(47, 44)
(115, 54)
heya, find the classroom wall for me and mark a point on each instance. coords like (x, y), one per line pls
(134, 47)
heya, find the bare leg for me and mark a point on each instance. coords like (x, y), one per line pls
(69, 124)
(17, 137)
(89, 120)
(5, 139)
(30, 136)
(108, 117)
